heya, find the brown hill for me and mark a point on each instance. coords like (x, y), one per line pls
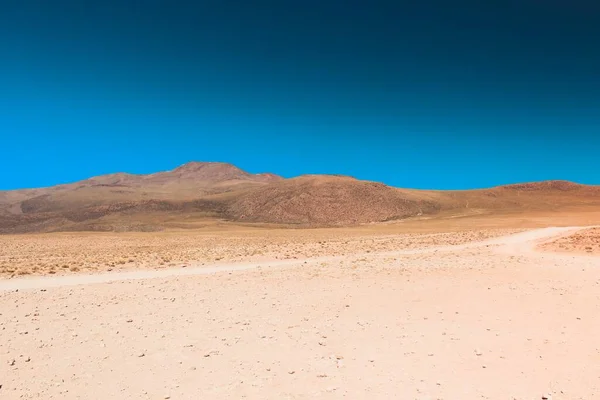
(328, 200)
(195, 193)
(76, 205)
(547, 195)
(549, 186)
(331, 200)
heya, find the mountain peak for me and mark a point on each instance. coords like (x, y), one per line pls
(217, 172)
(210, 171)
(198, 165)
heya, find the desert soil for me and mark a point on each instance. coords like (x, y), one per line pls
(586, 241)
(67, 253)
(492, 318)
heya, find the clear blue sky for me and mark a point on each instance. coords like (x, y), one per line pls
(437, 94)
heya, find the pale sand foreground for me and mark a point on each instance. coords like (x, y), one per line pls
(495, 320)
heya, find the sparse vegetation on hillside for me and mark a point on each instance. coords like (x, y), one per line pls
(198, 193)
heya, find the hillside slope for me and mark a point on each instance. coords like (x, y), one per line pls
(329, 201)
(196, 192)
(127, 197)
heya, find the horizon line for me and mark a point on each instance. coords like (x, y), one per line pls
(294, 177)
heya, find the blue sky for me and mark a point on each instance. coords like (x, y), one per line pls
(428, 95)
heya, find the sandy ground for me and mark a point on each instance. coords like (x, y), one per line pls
(67, 253)
(586, 241)
(495, 319)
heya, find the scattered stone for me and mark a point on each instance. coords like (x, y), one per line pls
(211, 353)
(291, 372)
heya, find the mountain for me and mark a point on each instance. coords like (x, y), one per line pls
(328, 201)
(199, 192)
(83, 204)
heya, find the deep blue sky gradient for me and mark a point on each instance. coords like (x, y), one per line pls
(431, 94)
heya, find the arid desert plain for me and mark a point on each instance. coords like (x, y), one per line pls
(298, 200)
(457, 308)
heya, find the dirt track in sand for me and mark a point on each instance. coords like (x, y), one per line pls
(520, 242)
(491, 320)
(69, 253)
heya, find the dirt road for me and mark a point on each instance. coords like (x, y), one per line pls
(488, 320)
(519, 242)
